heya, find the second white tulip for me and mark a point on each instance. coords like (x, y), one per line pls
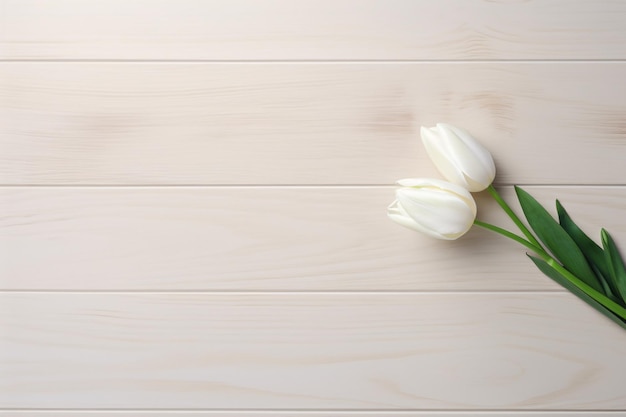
(459, 157)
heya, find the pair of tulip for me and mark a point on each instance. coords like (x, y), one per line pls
(445, 210)
(563, 252)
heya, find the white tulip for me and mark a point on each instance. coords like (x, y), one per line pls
(438, 208)
(459, 157)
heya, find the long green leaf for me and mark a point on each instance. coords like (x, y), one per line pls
(557, 240)
(592, 251)
(556, 276)
(607, 289)
(615, 262)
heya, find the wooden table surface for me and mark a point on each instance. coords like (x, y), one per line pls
(193, 197)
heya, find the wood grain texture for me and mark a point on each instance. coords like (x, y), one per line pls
(312, 29)
(87, 123)
(250, 238)
(256, 273)
(304, 413)
(298, 351)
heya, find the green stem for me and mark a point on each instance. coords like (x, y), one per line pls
(496, 196)
(537, 249)
(597, 296)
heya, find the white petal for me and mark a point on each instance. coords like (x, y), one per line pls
(477, 148)
(437, 149)
(440, 184)
(470, 158)
(400, 216)
(445, 215)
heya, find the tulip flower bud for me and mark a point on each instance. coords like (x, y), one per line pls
(437, 208)
(459, 157)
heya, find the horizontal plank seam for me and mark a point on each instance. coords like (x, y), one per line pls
(286, 292)
(284, 185)
(318, 61)
(320, 410)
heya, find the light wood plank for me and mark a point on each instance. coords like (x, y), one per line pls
(312, 29)
(298, 351)
(249, 238)
(282, 413)
(304, 123)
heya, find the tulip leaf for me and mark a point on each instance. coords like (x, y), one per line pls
(615, 262)
(613, 295)
(592, 251)
(557, 240)
(564, 282)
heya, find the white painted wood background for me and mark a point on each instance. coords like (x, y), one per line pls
(193, 194)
